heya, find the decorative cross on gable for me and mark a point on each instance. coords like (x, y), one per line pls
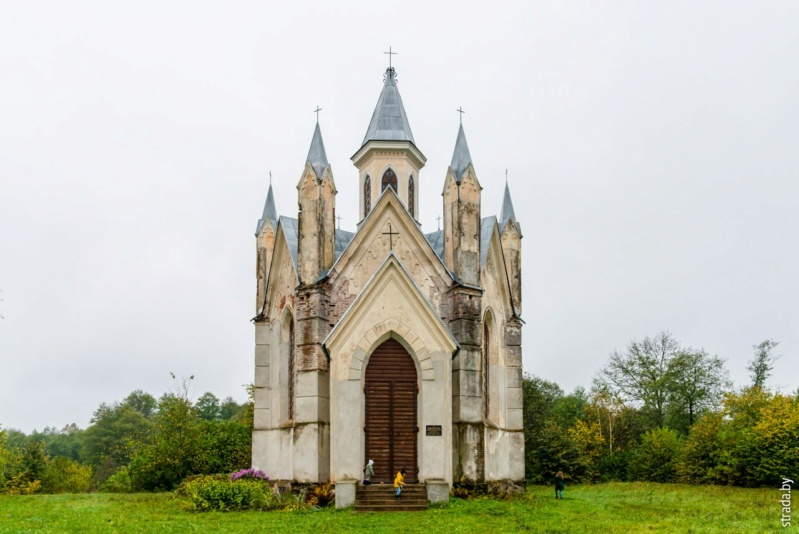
(390, 235)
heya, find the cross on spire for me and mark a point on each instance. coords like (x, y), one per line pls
(270, 177)
(317, 110)
(460, 110)
(439, 221)
(390, 235)
(506, 176)
(390, 53)
(339, 221)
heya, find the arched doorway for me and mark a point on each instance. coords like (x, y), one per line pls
(391, 408)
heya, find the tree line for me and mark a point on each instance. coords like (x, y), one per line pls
(656, 411)
(661, 412)
(139, 444)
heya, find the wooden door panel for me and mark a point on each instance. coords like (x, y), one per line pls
(391, 413)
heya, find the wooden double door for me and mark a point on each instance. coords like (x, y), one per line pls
(391, 413)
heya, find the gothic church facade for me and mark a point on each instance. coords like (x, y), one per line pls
(388, 343)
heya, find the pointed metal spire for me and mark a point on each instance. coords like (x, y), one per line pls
(317, 156)
(389, 120)
(270, 212)
(507, 208)
(461, 158)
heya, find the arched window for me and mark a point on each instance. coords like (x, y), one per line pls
(291, 370)
(367, 195)
(411, 196)
(486, 345)
(389, 179)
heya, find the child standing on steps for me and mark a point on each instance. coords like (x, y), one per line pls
(399, 481)
(368, 472)
(559, 485)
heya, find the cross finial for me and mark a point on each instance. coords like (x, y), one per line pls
(270, 177)
(390, 235)
(439, 221)
(506, 176)
(339, 221)
(390, 53)
(460, 110)
(317, 110)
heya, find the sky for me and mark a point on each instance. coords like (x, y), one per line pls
(650, 149)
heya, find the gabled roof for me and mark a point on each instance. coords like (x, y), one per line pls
(317, 156)
(270, 212)
(461, 158)
(367, 307)
(389, 120)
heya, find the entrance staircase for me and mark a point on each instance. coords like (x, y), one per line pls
(380, 498)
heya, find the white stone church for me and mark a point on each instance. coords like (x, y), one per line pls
(389, 343)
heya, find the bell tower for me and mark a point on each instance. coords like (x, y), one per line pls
(388, 156)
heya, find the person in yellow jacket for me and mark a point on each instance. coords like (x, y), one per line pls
(399, 481)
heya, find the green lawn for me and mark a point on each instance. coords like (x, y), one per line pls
(617, 507)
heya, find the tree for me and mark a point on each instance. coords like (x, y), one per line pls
(644, 374)
(762, 363)
(113, 436)
(208, 406)
(142, 402)
(700, 381)
(229, 409)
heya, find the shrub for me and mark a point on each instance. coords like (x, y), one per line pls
(253, 473)
(320, 495)
(119, 482)
(206, 493)
(64, 475)
(655, 459)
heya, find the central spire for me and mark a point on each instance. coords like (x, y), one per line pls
(389, 120)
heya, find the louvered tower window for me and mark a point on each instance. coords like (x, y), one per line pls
(411, 196)
(389, 179)
(367, 195)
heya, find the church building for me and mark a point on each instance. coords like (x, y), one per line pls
(388, 343)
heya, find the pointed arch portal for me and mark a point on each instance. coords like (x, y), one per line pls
(391, 413)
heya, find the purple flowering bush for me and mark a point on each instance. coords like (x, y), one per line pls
(251, 473)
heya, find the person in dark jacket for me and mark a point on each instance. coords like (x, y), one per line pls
(559, 485)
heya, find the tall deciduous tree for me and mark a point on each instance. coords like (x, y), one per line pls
(762, 363)
(699, 384)
(644, 374)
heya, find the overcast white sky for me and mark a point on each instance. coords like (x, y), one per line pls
(651, 151)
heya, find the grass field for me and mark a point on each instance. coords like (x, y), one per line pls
(617, 507)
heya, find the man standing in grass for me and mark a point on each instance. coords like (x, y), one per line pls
(559, 485)
(399, 481)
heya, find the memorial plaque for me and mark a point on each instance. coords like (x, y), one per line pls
(433, 430)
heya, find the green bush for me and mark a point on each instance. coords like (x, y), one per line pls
(64, 475)
(655, 459)
(210, 492)
(119, 482)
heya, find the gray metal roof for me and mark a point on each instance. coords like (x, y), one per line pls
(461, 158)
(486, 229)
(270, 212)
(343, 239)
(507, 209)
(436, 240)
(317, 156)
(389, 120)
(289, 226)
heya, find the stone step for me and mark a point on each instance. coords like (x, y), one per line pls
(381, 498)
(400, 507)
